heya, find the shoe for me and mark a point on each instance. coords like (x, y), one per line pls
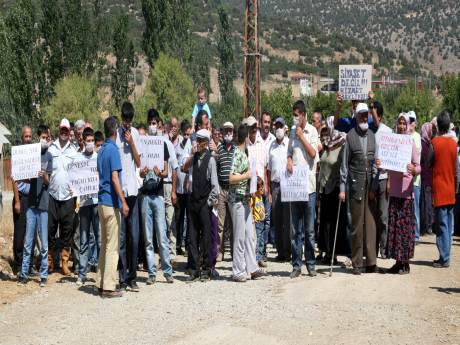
(439, 264)
(241, 279)
(150, 280)
(371, 269)
(258, 274)
(43, 282)
(395, 268)
(262, 264)
(312, 272)
(111, 294)
(123, 287)
(80, 282)
(356, 271)
(22, 281)
(169, 279)
(193, 278)
(133, 287)
(215, 274)
(295, 274)
(404, 269)
(205, 277)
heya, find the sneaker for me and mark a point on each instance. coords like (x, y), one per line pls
(356, 271)
(43, 282)
(240, 279)
(123, 287)
(80, 282)
(312, 272)
(439, 264)
(22, 281)
(150, 280)
(169, 279)
(111, 294)
(262, 264)
(133, 286)
(205, 277)
(295, 274)
(258, 274)
(395, 268)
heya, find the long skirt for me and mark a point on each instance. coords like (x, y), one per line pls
(401, 229)
(328, 221)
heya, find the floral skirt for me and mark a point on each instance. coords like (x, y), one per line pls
(401, 229)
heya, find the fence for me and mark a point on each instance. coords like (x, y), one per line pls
(7, 185)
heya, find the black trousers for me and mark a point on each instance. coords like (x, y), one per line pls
(281, 221)
(200, 234)
(181, 212)
(19, 223)
(61, 216)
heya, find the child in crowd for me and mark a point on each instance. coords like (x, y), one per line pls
(201, 105)
(258, 214)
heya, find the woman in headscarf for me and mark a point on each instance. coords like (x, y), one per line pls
(329, 179)
(401, 218)
(426, 202)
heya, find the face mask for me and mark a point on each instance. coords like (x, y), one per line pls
(90, 147)
(364, 126)
(228, 138)
(45, 144)
(296, 121)
(153, 130)
(96, 149)
(279, 133)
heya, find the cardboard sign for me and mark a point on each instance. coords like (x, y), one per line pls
(295, 186)
(153, 151)
(84, 178)
(26, 161)
(395, 151)
(355, 81)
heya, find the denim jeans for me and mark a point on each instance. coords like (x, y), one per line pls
(94, 244)
(260, 244)
(417, 212)
(444, 220)
(153, 215)
(303, 232)
(269, 230)
(36, 220)
(88, 219)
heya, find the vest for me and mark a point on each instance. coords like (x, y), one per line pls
(360, 165)
(201, 186)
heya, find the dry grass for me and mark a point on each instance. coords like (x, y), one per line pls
(6, 237)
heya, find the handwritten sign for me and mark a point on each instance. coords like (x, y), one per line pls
(295, 186)
(395, 151)
(83, 176)
(253, 186)
(355, 81)
(152, 152)
(25, 161)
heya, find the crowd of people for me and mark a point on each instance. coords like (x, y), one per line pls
(199, 204)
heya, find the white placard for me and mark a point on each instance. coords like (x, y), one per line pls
(26, 161)
(253, 187)
(84, 178)
(355, 81)
(395, 151)
(295, 186)
(153, 152)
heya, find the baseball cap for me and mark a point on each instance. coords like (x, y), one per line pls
(228, 124)
(64, 124)
(203, 134)
(279, 120)
(250, 121)
(362, 108)
(412, 115)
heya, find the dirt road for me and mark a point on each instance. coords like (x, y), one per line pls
(420, 308)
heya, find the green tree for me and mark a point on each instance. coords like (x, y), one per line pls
(123, 49)
(226, 70)
(451, 94)
(278, 102)
(200, 60)
(172, 88)
(76, 98)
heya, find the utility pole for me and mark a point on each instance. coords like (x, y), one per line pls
(251, 71)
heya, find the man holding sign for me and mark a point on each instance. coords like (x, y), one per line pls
(303, 152)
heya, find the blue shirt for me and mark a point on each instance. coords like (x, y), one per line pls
(346, 124)
(23, 188)
(108, 160)
(198, 107)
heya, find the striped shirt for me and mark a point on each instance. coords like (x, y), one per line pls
(224, 163)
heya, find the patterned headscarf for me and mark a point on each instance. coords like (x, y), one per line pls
(427, 132)
(335, 137)
(406, 118)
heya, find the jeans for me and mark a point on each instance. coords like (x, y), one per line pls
(444, 219)
(303, 232)
(269, 230)
(88, 219)
(129, 242)
(260, 246)
(153, 214)
(36, 219)
(417, 212)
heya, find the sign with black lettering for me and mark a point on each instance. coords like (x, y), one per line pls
(395, 151)
(26, 161)
(152, 148)
(295, 186)
(84, 178)
(355, 81)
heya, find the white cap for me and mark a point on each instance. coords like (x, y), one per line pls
(412, 115)
(228, 124)
(362, 108)
(64, 124)
(203, 134)
(250, 121)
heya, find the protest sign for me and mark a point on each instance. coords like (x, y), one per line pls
(253, 186)
(152, 148)
(355, 81)
(295, 186)
(394, 151)
(83, 176)
(25, 161)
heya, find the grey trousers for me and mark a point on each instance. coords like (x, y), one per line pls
(170, 220)
(225, 220)
(379, 208)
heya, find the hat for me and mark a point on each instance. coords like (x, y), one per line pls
(250, 121)
(362, 108)
(64, 124)
(203, 134)
(280, 120)
(412, 115)
(228, 124)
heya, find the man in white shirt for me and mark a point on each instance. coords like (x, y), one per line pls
(61, 204)
(303, 151)
(128, 144)
(277, 160)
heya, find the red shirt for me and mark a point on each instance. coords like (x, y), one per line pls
(444, 170)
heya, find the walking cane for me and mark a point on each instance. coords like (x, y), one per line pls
(335, 238)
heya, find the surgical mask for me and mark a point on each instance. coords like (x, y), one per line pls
(89, 147)
(45, 144)
(97, 149)
(296, 121)
(279, 133)
(228, 138)
(153, 130)
(364, 126)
